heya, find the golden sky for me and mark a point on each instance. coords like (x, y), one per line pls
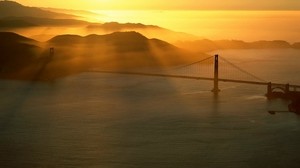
(168, 4)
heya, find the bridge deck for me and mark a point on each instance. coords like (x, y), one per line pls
(189, 77)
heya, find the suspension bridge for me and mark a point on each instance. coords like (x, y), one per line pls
(216, 69)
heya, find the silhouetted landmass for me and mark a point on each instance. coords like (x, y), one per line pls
(14, 16)
(11, 38)
(14, 9)
(127, 49)
(151, 31)
(270, 44)
(296, 45)
(115, 26)
(24, 58)
(210, 45)
(17, 52)
(78, 13)
(120, 41)
(17, 22)
(232, 44)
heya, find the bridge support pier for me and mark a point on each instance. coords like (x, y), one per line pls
(287, 88)
(216, 75)
(280, 91)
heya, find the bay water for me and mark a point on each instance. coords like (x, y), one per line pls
(114, 120)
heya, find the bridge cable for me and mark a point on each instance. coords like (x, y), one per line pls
(240, 69)
(187, 65)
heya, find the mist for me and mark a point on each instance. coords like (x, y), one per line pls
(65, 55)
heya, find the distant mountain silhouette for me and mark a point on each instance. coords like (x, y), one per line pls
(151, 31)
(19, 22)
(115, 26)
(14, 9)
(210, 45)
(15, 23)
(296, 45)
(121, 41)
(133, 47)
(14, 15)
(270, 44)
(24, 58)
(78, 13)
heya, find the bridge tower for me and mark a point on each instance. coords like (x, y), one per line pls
(51, 51)
(216, 75)
(269, 89)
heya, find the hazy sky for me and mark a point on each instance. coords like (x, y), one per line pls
(168, 4)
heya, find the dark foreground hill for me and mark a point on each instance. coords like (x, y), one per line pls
(24, 58)
(16, 51)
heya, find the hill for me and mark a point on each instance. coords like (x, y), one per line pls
(14, 9)
(296, 45)
(121, 41)
(122, 49)
(80, 14)
(15, 23)
(28, 59)
(27, 22)
(115, 26)
(14, 16)
(17, 52)
(150, 31)
(210, 45)
(10, 37)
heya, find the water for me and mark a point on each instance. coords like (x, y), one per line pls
(105, 120)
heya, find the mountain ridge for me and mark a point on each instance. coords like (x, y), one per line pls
(206, 45)
(24, 58)
(12, 8)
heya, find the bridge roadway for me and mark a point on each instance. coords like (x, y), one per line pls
(190, 77)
